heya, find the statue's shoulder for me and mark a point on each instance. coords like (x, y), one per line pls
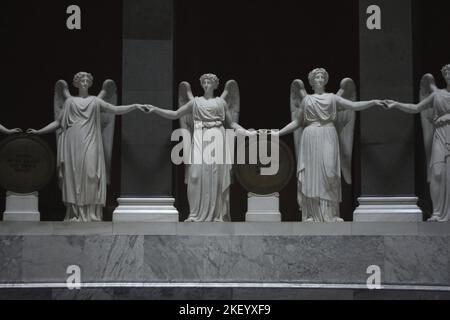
(97, 99)
(69, 100)
(222, 101)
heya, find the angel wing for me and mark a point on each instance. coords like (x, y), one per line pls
(62, 93)
(186, 122)
(108, 120)
(298, 92)
(345, 126)
(427, 87)
(232, 97)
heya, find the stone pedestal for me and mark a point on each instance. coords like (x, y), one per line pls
(22, 207)
(388, 209)
(146, 210)
(263, 208)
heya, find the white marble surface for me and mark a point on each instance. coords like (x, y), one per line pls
(413, 260)
(22, 207)
(10, 258)
(45, 259)
(388, 209)
(146, 210)
(223, 229)
(255, 259)
(307, 259)
(263, 208)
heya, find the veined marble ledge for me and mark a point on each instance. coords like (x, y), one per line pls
(227, 229)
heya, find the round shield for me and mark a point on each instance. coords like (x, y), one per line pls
(26, 164)
(264, 175)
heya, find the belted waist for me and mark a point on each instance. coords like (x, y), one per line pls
(442, 120)
(320, 124)
(207, 124)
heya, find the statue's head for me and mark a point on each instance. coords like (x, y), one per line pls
(318, 78)
(446, 73)
(209, 80)
(83, 80)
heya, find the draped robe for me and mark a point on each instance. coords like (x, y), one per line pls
(439, 168)
(208, 181)
(319, 169)
(81, 159)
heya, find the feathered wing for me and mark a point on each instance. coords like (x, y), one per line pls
(108, 120)
(62, 93)
(427, 87)
(298, 92)
(187, 123)
(233, 100)
(345, 126)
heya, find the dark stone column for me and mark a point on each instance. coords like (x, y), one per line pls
(146, 190)
(387, 137)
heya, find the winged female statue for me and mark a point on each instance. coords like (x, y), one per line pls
(84, 126)
(208, 181)
(323, 126)
(434, 107)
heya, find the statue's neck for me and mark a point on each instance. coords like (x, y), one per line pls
(208, 96)
(83, 93)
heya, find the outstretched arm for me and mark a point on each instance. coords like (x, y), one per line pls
(119, 110)
(171, 114)
(294, 125)
(236, 126)
(52, 127)
(230, 123)
(412, 108)
(291, 127)
(358, 105)
(9, 131)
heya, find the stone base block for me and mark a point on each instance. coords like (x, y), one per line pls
(388, 209)
(263, 208)
(22, 207)
(146, 210)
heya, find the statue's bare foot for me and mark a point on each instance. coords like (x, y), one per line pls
(434, 218)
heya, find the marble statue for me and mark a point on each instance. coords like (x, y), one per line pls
(208, 183)
(323, 126)
(9, 131)
(84, 126)
(434, 107)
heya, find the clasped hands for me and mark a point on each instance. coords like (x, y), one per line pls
(387, 104)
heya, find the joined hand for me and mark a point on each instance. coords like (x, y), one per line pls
(32, 131)
(147, 108)
(268, 132)
(389, 104)
(16, 130)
